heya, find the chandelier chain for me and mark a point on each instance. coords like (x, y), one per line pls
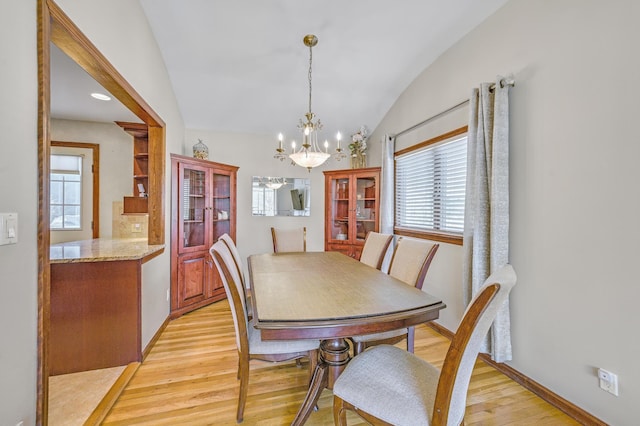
(310, 63)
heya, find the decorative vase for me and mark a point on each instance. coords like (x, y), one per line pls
(358, 160)
(200, 150)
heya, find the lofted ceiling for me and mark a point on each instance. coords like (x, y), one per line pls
(241, 65)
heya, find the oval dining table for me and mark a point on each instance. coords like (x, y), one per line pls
(330, 296)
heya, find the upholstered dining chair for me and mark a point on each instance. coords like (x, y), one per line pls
(231, 245)
(226, 238)
(374, 249)
(410, 263)
(386, 385)
(248, 341)
(289, 240)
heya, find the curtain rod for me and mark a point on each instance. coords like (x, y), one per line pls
(503, 82)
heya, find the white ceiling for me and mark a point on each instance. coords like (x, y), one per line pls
(241, 66)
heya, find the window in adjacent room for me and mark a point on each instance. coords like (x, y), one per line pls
(66, 192)
(430, 188)
(264, 200)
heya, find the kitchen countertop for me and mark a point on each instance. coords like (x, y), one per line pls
(104, 250)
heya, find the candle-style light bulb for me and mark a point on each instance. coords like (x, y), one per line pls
(293, 146)
(280, 137)
(305, 138)
(326, 145)
(339, 137)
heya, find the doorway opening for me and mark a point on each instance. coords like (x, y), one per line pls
(55, 27)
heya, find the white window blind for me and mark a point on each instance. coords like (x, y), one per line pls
(430, 187)
(66, 164)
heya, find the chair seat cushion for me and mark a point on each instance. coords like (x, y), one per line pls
(380, 336)
(270, 347)
(391, 384)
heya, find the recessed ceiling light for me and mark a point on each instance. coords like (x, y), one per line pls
(101, 96)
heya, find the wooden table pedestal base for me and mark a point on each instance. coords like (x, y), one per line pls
(334, 356)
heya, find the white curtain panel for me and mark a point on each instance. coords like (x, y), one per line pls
(387, 212)
(486, 228)
(387, 191)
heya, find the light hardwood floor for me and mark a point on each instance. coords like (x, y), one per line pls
(189, 378)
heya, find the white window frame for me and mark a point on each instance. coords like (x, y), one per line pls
(67, 170)
(441, 161)
(264, 200)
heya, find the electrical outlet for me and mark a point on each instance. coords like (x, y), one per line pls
(136, 227)
(608, 381)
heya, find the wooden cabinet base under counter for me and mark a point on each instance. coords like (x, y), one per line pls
(95, 319)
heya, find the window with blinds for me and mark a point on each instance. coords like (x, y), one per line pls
(430, 187)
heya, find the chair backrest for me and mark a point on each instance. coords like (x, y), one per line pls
(451, 396)
(236, 256)
(411, 260)
(224, 262)
(289, 240)
(374, 249)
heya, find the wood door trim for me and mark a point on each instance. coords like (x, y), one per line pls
(44, 97)
(95, 148)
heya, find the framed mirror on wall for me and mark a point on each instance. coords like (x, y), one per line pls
(280, 196)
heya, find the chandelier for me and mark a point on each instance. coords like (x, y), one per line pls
(309, 154)
(274, 182)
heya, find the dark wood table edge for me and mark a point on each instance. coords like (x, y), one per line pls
(329, 329)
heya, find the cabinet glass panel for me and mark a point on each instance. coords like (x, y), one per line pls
(193, 207)
(340, 209)
(221, 204)
(365, 207)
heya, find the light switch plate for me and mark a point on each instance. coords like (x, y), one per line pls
(8, 228)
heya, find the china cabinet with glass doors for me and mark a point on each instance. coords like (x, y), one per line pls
(203, 208)
(352, 204)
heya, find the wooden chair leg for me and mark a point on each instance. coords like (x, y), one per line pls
(243, 371)
(313, 363)
(411, 336)
(358, 347)
(339, 412)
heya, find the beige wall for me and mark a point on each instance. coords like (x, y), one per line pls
(18, 193)
(574, 196)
